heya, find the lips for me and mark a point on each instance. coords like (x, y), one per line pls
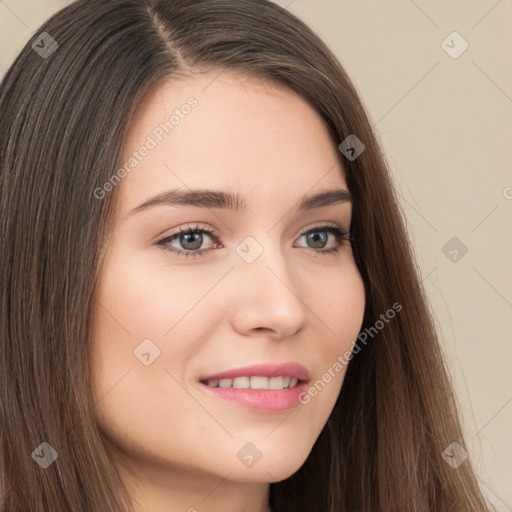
(266, 388)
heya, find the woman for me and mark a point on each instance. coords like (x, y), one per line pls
(209, 300)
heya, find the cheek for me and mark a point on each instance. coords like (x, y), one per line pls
(340, 306)
(145, 312)
(144, 297)
(136, 402)
(145, 300)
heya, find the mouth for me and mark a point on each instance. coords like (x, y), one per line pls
(266, 388)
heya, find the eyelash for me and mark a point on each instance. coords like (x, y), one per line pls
(340, 234)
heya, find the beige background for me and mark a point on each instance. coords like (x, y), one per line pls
(446, 126)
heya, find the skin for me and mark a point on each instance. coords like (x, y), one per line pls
(216, 312)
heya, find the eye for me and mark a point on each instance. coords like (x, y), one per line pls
(318, 237)
(191, 239)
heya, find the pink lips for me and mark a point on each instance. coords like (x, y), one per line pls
(264, 400)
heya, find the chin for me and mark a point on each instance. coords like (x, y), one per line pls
(273, 469)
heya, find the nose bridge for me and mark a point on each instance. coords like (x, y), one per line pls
(268, 292)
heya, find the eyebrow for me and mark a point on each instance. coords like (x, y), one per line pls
(205, 198)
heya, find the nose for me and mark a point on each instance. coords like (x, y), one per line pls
(268, 299)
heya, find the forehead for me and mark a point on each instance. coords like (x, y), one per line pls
(240, 134)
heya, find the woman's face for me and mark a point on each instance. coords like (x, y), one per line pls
(260, 292)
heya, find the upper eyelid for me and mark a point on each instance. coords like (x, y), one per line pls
(212, 231)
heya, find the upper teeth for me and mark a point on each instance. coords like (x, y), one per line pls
(255, 382)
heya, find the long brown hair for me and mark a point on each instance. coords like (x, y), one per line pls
(64, 117)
